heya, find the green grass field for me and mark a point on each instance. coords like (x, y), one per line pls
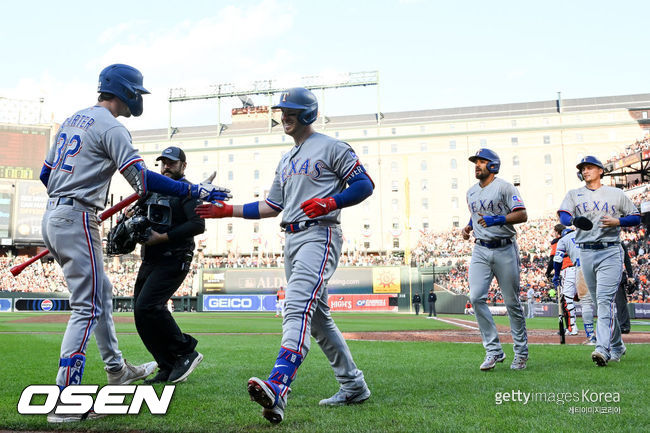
(427, 387)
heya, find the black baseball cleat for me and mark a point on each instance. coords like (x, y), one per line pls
(184, 366)
(161, 377)
(625, 330)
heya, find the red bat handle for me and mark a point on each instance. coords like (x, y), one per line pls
(17, 269)
(118, 207)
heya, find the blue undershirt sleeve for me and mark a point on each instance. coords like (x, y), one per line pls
(165, 185)
(45, 174)
(359, 188)
(565, 218)
(630, 220)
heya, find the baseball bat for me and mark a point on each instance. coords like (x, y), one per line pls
(560, 315)
(17, 269)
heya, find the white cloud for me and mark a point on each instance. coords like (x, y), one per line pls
(235, 44)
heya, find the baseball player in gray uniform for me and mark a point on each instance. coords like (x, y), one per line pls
(495, 206)
(598, 211)
(310, 189)
(88, 148)
(568, 277)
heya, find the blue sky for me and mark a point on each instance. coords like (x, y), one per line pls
(429, 54)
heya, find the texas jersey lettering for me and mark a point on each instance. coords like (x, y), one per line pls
(319, 167)
(593, 205)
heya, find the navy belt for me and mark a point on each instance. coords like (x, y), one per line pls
(597, 245)
(494, 244)
(68, 201)
(299, 226)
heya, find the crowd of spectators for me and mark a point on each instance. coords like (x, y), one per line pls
(446, 250)
(46, 276)
(635, 147)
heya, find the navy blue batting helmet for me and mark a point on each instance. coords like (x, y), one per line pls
(589, 160)
(566, 232)
(125, 82)
(494, 163)
(301, 99)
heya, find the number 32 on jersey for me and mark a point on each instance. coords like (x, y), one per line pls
(66, 149)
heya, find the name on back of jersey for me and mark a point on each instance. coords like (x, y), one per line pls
(79, 121)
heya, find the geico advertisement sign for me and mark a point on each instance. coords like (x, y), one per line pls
(231, 303)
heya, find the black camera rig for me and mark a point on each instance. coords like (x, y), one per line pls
(154, 210)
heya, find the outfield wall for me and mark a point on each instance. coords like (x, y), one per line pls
(447, 303)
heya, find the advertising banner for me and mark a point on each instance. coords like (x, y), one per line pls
(386, 280)
(29, 207)
(641, 311)
(232, 303)
(42, 304)
(6, 196)
(546, 309)
(369, 302)
(5, 305)
(498, 310)
(348, 280)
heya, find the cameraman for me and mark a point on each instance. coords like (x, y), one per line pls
(166, 260)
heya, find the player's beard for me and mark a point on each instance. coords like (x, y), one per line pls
(482, 174)
(173, 174)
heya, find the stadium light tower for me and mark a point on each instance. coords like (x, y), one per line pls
(270, 88)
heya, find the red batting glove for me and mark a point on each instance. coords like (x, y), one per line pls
(318, 206)
(217, 210)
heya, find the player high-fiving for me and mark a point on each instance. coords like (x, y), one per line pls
(309, 189)
(89, 147)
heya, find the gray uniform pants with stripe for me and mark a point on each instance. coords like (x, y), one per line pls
(72, 236)
(502, 262)
(602, 270)
(311, 257)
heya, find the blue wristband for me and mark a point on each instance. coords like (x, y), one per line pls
(496, 220)
(251, 211)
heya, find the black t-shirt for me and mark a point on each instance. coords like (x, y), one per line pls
(185, 224)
